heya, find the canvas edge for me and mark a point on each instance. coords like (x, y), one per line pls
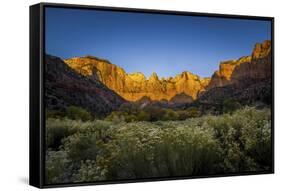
(37, 86)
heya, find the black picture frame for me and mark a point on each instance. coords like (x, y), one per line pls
(37, 115)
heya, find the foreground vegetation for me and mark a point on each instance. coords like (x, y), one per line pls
(130, 112)
(114, 148)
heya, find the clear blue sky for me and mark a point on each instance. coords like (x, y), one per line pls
(165, 44)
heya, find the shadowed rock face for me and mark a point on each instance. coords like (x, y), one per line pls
(181, 98)
(254, 67)
(65, 87)
(249, 92)
(133, 87)
(246, 79)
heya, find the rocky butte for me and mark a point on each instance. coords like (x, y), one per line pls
(254, 67)
(184, 87)
(247, 79)
(133, 87)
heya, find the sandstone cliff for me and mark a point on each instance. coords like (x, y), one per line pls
(64, 87)
(247, 79)
(184, 87)
(254, 67)
(134, 86)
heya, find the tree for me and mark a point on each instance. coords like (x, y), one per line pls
(156, 113)
(230, 105)
(182, 115)
(143, 116)
(170, 115)
(193, 112)
(78, 113)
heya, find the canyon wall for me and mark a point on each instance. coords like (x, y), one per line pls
(186, 85)
(65, 87)
(257, 66)
(133, 87)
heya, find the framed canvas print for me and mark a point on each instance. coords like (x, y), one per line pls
(123, 95)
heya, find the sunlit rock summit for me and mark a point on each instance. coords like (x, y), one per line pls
(185, 87)
(133, 87)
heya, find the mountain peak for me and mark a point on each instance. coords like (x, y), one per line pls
(96, 58)
(65, 87)
(261, 50)
(134, 86)
(137, 76)
(188, 75)
(153, 77)
(246, 67)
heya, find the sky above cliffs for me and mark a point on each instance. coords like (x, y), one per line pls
(147, 43)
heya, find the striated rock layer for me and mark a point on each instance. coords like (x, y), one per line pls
(64, 87)
(254, 67)
(247, 79)
(134, 86)
(185, 86)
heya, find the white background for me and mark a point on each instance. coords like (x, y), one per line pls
(14, 88)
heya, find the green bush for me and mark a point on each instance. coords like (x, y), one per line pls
(89, 172)
(78, 113)
(143, 116)
(244, 139)
(155, 113)
(129, 108)
(182, 115)
(230, 105)
(130, 113)
(239, 141)
(57, 164)
(170, 115)
(193, 112)
(81, 146)
(58, 129)
(54, 114)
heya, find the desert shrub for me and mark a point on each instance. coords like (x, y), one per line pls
(57, 129)
(118, 116)
(54, 114)
(57, 167)
(81, 146)
(257, 136)
(143, 116)
(182, 115)
(151, 113)
(129, 108)
(127, 117)
(115, 116)
(101, 130)
(244, 139)
(155, 113)
(143, 149)
(130, 117)
(193, 112)
(107, 150)
(88, 172)
(230, 105)
(170, 115)
(185, 151)
(78, 113)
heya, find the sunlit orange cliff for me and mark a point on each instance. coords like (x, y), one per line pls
(186, 85)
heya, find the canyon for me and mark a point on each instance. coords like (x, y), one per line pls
(184, 87)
